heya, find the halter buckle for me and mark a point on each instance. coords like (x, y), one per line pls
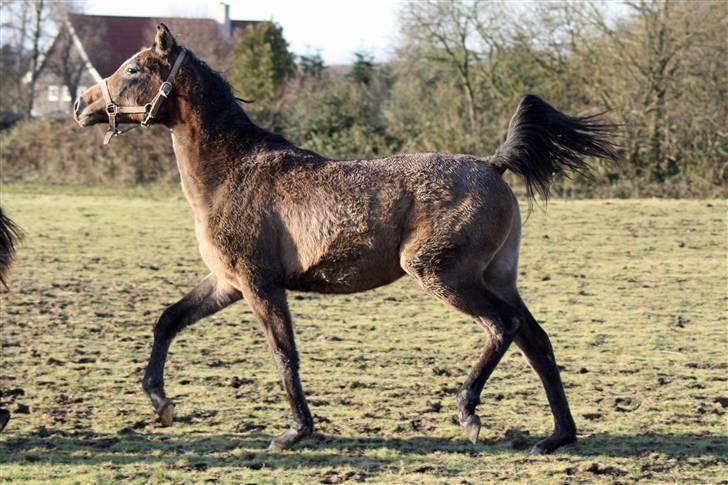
(165, 88)
(112, 109)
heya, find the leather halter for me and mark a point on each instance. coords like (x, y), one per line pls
(150, 109)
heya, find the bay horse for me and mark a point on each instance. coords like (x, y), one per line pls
(9, 235)
(271, 217)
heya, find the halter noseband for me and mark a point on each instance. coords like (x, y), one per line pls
(150, 109)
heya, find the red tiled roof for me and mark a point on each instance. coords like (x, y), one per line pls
(109, 41)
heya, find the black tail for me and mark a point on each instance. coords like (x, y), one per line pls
(9, 235)
(543, 142)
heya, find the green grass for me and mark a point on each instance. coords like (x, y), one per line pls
(633, 294)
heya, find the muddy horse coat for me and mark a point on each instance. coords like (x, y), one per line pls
(271, 217)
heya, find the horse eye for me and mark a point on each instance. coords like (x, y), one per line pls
(132, 70)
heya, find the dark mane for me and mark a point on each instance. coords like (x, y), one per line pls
(221, 112)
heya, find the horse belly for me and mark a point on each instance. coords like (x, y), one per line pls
(355, 269)
(343, 240)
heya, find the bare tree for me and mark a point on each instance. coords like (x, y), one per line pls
(39, 14)
(24, 29)
(477, 39)
(651, 48)
(31, 30)
(442, 32)
(14, 31)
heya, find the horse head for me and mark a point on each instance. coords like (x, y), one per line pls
(136, 92)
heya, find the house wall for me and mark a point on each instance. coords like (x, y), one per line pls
(52, 98)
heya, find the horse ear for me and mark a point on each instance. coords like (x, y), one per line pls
(164, 42)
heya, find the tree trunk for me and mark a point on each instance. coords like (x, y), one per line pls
(34, 68)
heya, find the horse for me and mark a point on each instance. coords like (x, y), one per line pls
(9, 235)
(270, 217)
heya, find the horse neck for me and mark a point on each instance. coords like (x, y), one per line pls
(210, 143)
(196, 182)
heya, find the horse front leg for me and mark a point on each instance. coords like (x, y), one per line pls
(271, 310)
(208, 297)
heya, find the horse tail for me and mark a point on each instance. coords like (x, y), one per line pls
(543, 142)
(9, 235)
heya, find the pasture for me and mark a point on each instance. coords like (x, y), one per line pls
(633, 294)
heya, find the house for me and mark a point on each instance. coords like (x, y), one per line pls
(88, 48)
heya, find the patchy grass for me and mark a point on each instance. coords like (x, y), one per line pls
(633, 294)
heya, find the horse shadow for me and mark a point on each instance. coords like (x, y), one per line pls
(202, 450)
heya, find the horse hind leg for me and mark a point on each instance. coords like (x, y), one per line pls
(466, 292)
(535, 345)
(501, 324)
(500, 276)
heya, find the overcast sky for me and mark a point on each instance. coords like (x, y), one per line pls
(337, 28)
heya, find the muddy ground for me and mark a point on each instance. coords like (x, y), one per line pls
(633, 294)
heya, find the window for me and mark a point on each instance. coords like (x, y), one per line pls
(52, 92)
(66, 94)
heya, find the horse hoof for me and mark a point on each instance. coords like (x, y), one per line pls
(286, 440)
(166, 414)
(275, 446)
(536, 451)
(471, 426)
(550, 444)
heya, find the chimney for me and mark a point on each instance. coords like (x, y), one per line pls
(222, 17)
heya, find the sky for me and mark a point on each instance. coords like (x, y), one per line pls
(334, 28)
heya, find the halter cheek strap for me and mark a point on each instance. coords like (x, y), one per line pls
(150, 109)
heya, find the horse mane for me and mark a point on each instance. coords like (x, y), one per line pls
(221, 112)
(211, 89)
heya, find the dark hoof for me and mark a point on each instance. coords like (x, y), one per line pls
(471, 426)
(4, 418)
(166, 413)
(550, 444)
(286, 440)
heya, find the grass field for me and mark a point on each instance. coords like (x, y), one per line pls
(633, 294)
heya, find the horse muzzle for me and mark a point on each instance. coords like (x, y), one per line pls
(88, 110)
